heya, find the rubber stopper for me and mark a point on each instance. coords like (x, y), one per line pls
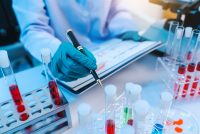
(46, 55)
(110, 91)
(4, 60)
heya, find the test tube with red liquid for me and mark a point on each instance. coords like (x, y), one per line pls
(110, 95)
(194, 89)
(12, 84)
(53, 87)
(178, 87)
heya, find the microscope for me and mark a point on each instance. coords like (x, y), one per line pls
(188, 11)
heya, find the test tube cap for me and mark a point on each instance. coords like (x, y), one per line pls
(46, 55)
(166, 99)
(84, 111)
(188, 32)
(127, 129)
(141, 108)
(198, 66)
(110, 91)
(4, 60)
(134, 90)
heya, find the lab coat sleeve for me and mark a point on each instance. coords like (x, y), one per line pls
(120, 19)
(36, 32)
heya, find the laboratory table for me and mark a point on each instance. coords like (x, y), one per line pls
(141, 72)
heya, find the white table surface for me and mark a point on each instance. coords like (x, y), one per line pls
(141, 72)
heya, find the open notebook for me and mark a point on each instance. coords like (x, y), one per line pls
(111, 56)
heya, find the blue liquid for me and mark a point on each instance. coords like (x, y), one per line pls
(158, 129)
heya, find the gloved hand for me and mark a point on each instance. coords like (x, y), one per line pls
(132, 35)
(69, 64)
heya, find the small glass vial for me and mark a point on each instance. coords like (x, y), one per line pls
(132, 93)
(84, 118)
(110, 96)
(166, 99)
(12, 84)
(141, 109)
(53, 87)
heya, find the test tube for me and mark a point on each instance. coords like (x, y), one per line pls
(178, 87)
(84, 114)
(171, 33)
(53, 87)
(12, 84)
(110, 95)
(166, 102)
(141, 110)
(184, 44)
(176, 46)
(132, 92)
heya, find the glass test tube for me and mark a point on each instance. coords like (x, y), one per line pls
(176, 46)
(12, 84)
(84, 115)
(166, 102)
(184, 44)
(132, 93)
(127, 129)
(53, 87)
(171, 33)
(196, 84)
(178, 87)
(141, 110)
(110, 95)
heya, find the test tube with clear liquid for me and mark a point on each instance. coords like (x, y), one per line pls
(141, 110)
(132, 94)
(53, 87)
(166, 102)
(13, 86)
(110, 96)
(169, 44)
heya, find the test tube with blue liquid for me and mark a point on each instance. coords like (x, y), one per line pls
(166, 99)
(132, 94)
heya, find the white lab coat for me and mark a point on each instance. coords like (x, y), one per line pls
(43, 23)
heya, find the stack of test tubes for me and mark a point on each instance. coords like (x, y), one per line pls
(182, 62)
(40, 111)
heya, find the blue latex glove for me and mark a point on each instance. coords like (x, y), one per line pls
(132, 35)
(69, 64)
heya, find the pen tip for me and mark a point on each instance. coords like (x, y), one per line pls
(100, 83)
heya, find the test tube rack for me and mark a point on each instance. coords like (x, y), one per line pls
(174, 84)
(44, 115)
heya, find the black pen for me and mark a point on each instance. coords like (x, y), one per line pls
(80, 48)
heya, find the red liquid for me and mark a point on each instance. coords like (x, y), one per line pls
(54, 92)
(24, 117)
(190, 70)
(110, 127)
(15, 93)
(130, 122)
(20, 108)
(194, 86)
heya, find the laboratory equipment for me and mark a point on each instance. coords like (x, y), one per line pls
(54, 91)
(127, 129)
(166, 102)
(141, 109)
(171, 33)
(84, 118)
(110, 96)
(12, 85)
(132, 94)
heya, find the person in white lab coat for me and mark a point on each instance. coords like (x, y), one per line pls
(43, 24)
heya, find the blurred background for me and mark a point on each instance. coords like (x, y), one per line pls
(147, 12)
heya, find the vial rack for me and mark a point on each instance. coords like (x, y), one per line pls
(173, 84)
(44, 115)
